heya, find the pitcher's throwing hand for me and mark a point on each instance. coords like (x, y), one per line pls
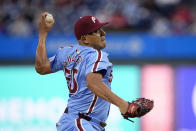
(44, 25)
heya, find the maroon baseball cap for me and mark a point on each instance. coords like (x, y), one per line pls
(87, 24)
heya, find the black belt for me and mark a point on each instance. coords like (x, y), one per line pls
(86, 117)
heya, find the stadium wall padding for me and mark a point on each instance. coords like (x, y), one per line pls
(120, 46)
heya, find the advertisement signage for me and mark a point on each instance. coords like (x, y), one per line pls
(157, 84)
(33, 102)
(120, 46)
(186, 98)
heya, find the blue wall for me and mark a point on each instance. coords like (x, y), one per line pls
(119, 45)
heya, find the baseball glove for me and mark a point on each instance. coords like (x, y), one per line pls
(138, 108)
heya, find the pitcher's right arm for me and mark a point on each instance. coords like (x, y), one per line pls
(42, 63)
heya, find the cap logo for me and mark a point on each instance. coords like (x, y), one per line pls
(93, 19)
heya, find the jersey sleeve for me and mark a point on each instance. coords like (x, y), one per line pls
(97, 61)
(57, 61)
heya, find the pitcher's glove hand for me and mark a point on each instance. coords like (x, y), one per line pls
(138, 108)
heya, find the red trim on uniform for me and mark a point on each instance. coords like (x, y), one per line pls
(98, 59)
(78, 124)
(92, 104)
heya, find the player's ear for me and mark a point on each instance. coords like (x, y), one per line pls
(84, 40)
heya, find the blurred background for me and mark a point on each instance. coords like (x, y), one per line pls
(152, 44)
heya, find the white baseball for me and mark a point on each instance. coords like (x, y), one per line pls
(49, 18)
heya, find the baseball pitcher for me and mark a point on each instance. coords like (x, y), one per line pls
(88, 73)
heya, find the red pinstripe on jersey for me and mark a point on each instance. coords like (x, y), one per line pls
(94, 70)
(79, 125)
(97, 61)
(92, 104)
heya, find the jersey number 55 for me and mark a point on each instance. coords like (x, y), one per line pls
(71, 82)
